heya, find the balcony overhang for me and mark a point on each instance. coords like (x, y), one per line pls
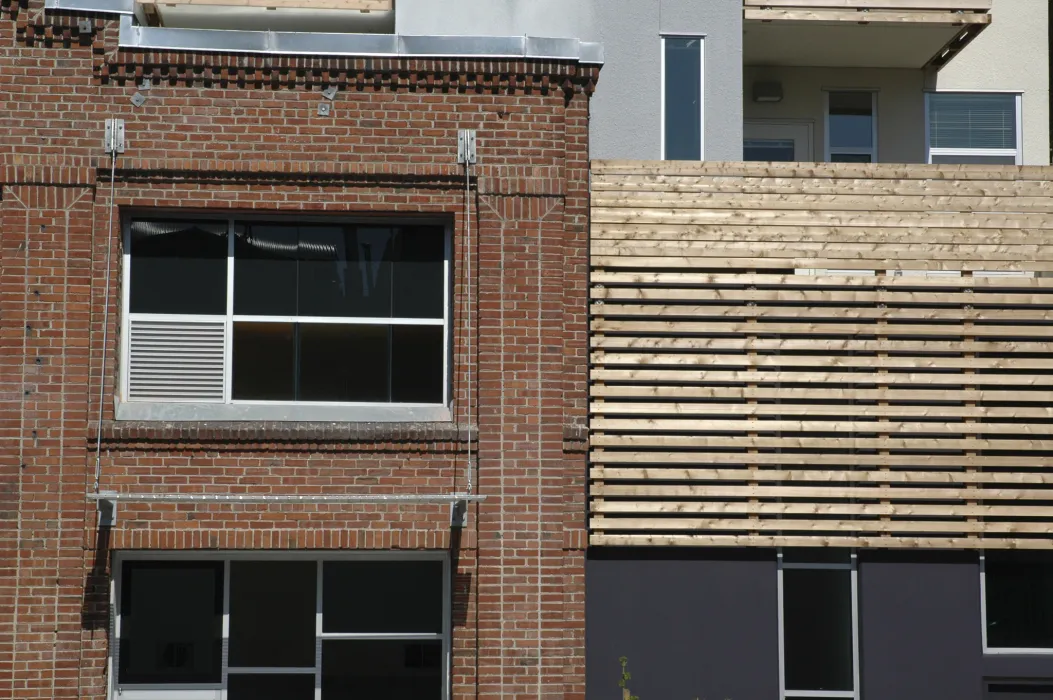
(860, 33)
(330, 16)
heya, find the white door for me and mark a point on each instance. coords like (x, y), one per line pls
(777, 141)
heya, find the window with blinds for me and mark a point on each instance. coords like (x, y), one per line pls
(973, 128)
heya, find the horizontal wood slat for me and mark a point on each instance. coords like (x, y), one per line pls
(828, 355)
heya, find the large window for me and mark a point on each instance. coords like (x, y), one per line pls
(851, 126)
(277, 312)
(291, 629)
(1017, 588)
(682, 98)
(972, 127)
(818, 623)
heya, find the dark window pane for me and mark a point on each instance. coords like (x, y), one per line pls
(265, 260)
(850, 158)
(178, 267)
(264, 361)
(817, 555)
(345, 272)
(416, 364)
(375, 596)
(683, 99)
(171, 622)
(851, 120)
(1019, 587)
(381, 670)
(765, 150)
(418, 273)
(271, 686)
(272, 613)
(344, 362)
(974, 160)
(817, 629)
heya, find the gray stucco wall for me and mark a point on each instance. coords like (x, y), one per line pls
(626, 110)
(920, 629)
(694, 624)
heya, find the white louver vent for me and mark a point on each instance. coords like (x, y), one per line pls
(175, 360)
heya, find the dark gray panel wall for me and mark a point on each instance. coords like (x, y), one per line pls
(920, 626)
(693, 624)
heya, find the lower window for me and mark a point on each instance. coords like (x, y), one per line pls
(288, 629)
(818, 624)
(1018, 601)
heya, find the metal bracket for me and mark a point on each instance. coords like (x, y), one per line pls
(459, 514)
(107, 511)
(324, 109)
(138, 99)
(84, 26)
(466, 146)
(330, 92)
(113, 141)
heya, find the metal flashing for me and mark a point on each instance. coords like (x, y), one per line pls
(134, 36)
(117, 7)
(350, 498)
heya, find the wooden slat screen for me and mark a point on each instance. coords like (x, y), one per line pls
(841, 355)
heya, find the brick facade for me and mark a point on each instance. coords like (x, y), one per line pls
(241, 134)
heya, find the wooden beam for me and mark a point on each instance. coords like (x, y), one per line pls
(949, 5)
(952, 19)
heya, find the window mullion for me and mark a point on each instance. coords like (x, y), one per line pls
(228, 345)
(318, 633)
(226, 625)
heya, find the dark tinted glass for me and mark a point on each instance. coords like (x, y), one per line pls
(344, 362)
(270, 686)
(817, 555)
(850, 158)
(178, 267)
(418, 273)
(851, 120)
(346, 272)
(683, 98)
(774, 150)
(1019, 589)
(264, 361)
(817, 629)
(416, 364)
(374, 596)
(265, 270)
(272, 614)
(381, 670)
(974, 160)
(171, 622)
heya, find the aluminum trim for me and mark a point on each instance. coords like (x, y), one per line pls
(366, 45)
(121, 7)
(282, 498)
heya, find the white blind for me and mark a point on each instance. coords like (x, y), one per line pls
(972, 120)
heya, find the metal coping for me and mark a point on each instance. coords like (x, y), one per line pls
(282, 498)
(327, 44)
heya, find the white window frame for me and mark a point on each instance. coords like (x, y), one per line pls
(1017, 153)
(1034, 651)
(702, 91)
(853, 566)
(828, 150)
(174, 691)
(233, 409)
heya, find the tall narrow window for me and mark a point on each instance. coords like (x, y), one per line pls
(818, 624)
(851, 126)
(682, 98)
(967, 127)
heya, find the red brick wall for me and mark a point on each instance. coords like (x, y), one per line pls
(241, 134)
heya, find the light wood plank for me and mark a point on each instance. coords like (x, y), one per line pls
(690, 424)
(661, 327)
(696, 360)
(834, 492)
(807, 281)
(667, 457)
(792, 442)
(834, 347)
(825, 509)
(965, 5)
(872, 17)
(685, 376)
(793, 525)
(916, 394)
(618, 408)
(614, 474)
(646, 540)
